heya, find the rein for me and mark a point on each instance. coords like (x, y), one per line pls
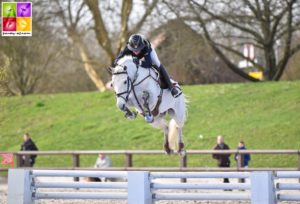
(131, 88)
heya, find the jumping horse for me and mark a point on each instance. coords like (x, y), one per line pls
(139, 88)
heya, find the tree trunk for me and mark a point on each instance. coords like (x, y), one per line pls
(270, 59)
(125, 12)
(100, 29)
(89, 68)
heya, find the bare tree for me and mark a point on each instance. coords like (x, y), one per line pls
(108, 42)
(26, 62)
(227, 25)
(72, 14)
(174, 40)
(4, 78)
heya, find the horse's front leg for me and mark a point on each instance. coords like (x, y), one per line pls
(148, 117)
(128, 113)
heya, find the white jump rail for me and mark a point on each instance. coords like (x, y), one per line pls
(210, 186)
(144, 187)
(24, 187)
(287, 186)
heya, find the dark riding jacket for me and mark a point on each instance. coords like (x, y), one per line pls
(145, 53)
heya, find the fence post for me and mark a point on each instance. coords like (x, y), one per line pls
(299, 163)
(240, 162)
(19, 160)
(128, 160)
(139, 190)
(19, 187)
(76, 163)
(183, 164)
(27, 161)
(262, 188)
(298, 160)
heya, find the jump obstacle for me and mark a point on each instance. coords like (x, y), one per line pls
(143, 187)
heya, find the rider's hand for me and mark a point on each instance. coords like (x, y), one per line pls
(136, 60)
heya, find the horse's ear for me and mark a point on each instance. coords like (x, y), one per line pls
(125, 68)
(110, 70)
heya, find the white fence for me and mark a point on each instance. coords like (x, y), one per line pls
(142, 187)
(281, 196)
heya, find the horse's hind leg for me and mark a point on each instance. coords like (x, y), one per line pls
(179, 118)
(162, 124)
(181, 149)
(166, 144)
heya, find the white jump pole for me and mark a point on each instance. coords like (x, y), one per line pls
(139, 188)
(262, 188)
(19, 190)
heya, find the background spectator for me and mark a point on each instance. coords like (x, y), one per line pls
(245, 158)
(28, 145)
(222, 159)
(102, 161)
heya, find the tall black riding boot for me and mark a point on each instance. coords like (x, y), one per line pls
(163, 72)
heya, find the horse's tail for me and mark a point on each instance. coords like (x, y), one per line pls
(173, 135)
(185, 105)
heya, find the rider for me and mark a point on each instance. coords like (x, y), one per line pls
(138, 46)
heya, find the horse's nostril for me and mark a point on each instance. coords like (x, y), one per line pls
(122, 107)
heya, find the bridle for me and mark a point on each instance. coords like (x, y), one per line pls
(131, 84)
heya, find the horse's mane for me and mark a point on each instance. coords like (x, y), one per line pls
(125, 59)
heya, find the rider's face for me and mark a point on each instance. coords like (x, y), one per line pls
(136, 52)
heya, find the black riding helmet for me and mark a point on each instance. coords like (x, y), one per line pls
(136, 43)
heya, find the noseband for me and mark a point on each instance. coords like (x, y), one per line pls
(129, 85)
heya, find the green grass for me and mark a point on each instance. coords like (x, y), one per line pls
(265, 115)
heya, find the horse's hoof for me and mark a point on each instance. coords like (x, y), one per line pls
(149, 118)
(168, 151)
(182, 152)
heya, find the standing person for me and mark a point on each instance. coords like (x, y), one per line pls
(222, 159)
(28, 145)
(244, 157)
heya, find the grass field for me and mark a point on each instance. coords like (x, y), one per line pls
(264, 115)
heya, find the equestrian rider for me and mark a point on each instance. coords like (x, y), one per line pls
(138, 46)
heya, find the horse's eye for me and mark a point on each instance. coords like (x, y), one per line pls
(125, 82)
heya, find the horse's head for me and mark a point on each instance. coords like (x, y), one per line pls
(121, 84)
(122, 81)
